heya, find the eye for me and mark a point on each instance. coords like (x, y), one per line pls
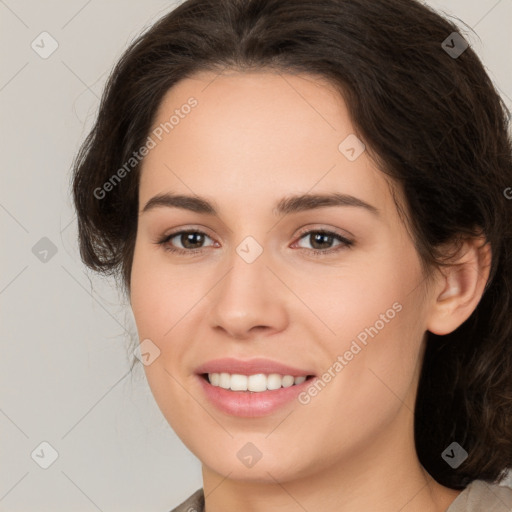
(322, 238)
(191, 241)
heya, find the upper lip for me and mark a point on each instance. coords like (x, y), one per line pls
(250, 367)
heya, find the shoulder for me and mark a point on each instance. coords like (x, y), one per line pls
(194, 503)
(481, 496)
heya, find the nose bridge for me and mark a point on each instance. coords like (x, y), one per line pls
(247, 279)
(247, 296)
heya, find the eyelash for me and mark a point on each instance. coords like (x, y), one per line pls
(345, 243)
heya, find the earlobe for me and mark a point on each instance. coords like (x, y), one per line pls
(460, 288)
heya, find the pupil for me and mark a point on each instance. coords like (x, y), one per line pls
(190, 237)
(318, 236)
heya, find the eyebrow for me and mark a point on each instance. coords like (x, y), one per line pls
(287, 205)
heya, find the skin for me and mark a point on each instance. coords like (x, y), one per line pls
(253, 139)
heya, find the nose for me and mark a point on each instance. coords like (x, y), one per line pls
(248, 300)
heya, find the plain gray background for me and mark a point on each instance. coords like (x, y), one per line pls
(64, 364)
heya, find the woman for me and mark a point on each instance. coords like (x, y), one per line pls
(306, 203)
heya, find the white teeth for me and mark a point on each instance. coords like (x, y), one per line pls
(257, 382)
(238, 382)
(224, 380)
(274, 381)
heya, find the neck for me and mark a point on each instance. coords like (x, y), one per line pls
(384, 475)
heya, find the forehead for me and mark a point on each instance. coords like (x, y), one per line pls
(255, 135)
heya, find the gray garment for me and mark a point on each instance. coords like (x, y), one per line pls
(478, 496)
(194, 503)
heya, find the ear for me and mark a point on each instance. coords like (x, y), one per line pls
(459, 290)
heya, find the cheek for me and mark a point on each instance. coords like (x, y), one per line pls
(156, 299)
(166, 307)
(368, 298)
(372, 383)
(378, 322)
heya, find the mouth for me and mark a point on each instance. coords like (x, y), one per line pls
(253, 387)
(254, 395)
(255, 383)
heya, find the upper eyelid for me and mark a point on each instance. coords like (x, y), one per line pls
(303, 230)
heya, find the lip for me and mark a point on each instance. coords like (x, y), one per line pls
(250, 367)
(248, 404)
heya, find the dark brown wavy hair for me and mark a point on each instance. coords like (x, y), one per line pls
(434, 123)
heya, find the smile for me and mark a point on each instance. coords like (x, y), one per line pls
(246, 403)
(256, 383)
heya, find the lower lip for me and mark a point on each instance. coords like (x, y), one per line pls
(251, 404)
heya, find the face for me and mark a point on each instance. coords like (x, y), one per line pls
(332, 289)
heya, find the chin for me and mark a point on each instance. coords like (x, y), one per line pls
(267, 469)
